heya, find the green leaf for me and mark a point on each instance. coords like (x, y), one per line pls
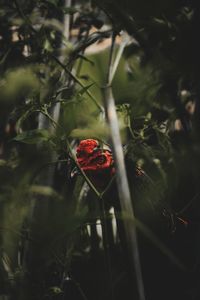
(95, 130)
(54, 24)
(33, 136)
(69, 10)
(44, 191)
(55, 291)
(3, 163)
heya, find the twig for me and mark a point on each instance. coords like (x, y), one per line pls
(188, 204)
(80, 289)
(73, 157)
(106, 245)
(78, 82)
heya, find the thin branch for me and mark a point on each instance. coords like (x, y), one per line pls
(78, 82)
(80, 289)
(106, 245)
(188, 204)
(73, 157)
(108, 186)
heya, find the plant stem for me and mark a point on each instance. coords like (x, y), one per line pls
(106, 245)
(121, 176)
(124, 42)
(78, 82)
(73, 157)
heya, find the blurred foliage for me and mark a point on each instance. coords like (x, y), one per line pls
(45, 211)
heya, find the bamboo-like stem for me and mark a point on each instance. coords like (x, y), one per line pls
(121, 176)
(115, 63)
(67, 21)
(43, 122)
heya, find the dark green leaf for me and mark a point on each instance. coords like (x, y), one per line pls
(69, 10)
(33, 136)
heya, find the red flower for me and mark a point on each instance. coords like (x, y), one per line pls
(97, 163)
(86, 147)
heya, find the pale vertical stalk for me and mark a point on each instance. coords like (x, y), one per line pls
(123, 188)
(123, 44)
(67, 21)
(121, 176)
(38, 207)
(43, 121)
